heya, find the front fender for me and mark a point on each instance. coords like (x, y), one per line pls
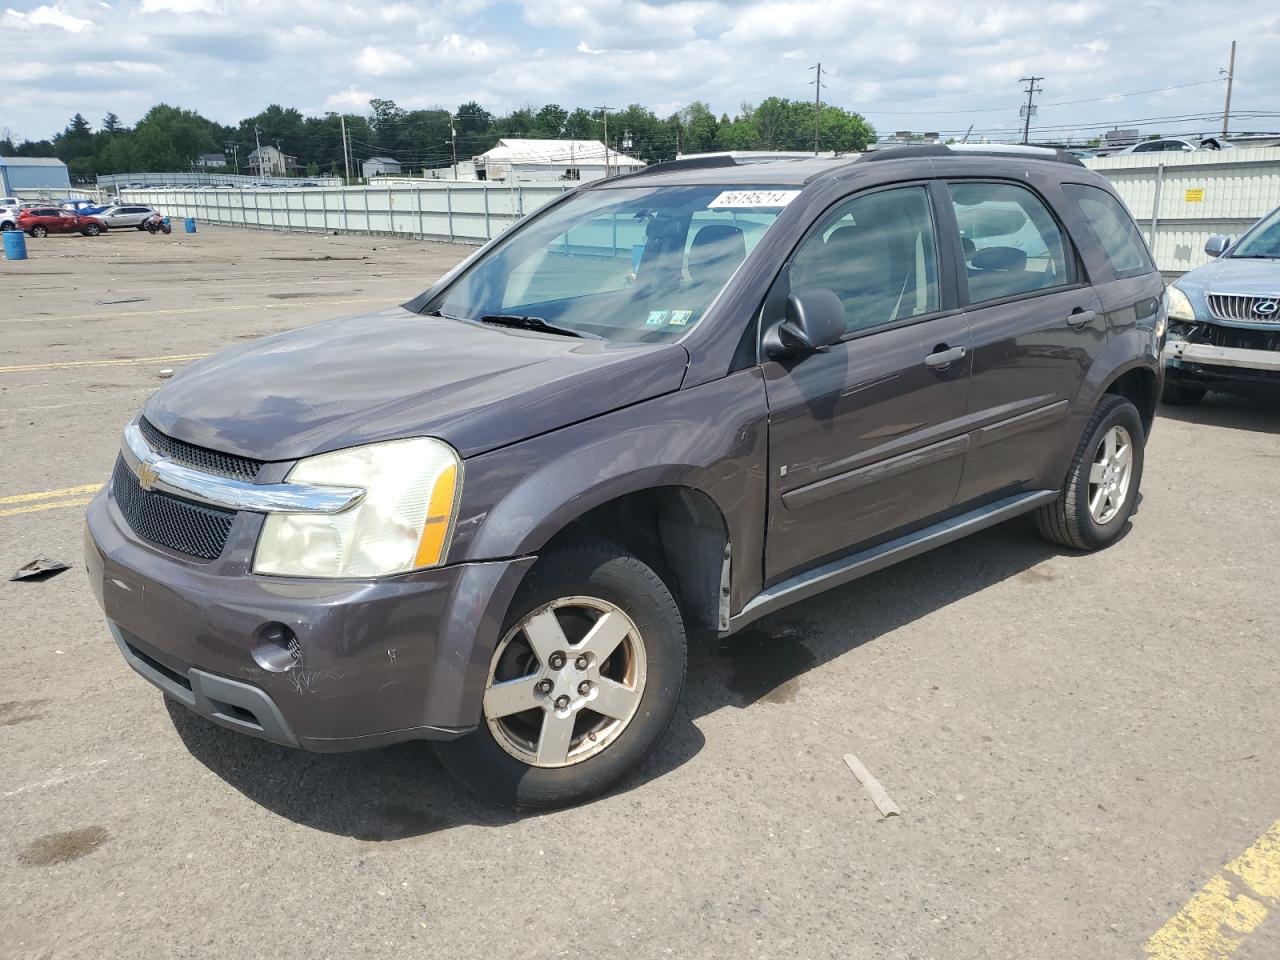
(711, 438)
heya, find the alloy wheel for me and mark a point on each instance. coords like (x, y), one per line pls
(1110, 474)
(565, 682)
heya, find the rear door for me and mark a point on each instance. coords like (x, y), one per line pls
(867, 438)
(1036, 329)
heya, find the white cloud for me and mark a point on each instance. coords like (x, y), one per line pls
(46, 17)
(905, 63)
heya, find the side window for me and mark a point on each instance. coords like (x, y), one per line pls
(1012, 244)
(878, 252)
(1113, 227)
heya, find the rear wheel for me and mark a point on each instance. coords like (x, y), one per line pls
(6, 226)
(1101, 488)
(582, 685)
(1181, 395)
(39, 231)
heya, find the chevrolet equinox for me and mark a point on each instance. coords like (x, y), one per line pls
(664, 404)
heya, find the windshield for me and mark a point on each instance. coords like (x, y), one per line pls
(1262, 241)
(637, 264)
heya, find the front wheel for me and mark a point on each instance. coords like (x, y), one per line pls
(1101, 488)
(582, 685)
(39, 231)
(92, 230)
(6, 226)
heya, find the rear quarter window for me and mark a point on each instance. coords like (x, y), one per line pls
(1114, 229)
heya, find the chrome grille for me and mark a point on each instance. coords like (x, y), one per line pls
(196, 530)
(1239, 307)
(198, 458)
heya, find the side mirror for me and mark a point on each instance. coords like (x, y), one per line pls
(1217, 245)
(814, 321)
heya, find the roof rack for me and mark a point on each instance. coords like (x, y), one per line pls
(971, 149)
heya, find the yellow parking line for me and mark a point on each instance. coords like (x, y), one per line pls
(1216, 921)
(51, 494)
(36, 507)
(69, 364)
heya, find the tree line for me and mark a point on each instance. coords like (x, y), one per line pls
(171, 138)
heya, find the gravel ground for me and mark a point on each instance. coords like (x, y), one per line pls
(1077, 743)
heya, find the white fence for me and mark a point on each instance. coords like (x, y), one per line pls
(1179, 199)
(116, 181)
(457, 211)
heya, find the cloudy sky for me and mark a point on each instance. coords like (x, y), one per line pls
(905, 64)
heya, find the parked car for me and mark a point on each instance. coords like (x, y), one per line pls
(80, 205)
(41, 221)
(9, 217)
(1224, 317)
(127, 215)
(491, 517)
(10, 202)
(1178, 145)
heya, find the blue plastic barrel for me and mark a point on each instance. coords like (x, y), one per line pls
(15, 245)
(190, 226)
(166, 221)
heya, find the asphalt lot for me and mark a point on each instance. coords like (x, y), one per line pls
(1081, 745)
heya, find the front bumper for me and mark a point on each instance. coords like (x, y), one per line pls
(376, 661)
(1208, 364)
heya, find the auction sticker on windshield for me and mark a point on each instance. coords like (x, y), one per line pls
(752, 199)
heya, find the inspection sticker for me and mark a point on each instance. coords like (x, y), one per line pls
(657, 318)
(680, 317)
(748, 199)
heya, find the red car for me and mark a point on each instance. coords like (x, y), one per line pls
(42, 221)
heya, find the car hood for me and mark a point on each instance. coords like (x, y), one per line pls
(394, 373)
(1234, 275)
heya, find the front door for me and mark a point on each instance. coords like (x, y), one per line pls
(867, 438)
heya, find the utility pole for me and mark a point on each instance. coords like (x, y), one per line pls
(817, 108)
(257, 142)
(453, 139)
(346, 163)
(1231, 75)
(605, 111)
(1031, 90)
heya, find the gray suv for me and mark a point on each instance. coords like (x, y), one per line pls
(664, 405)
(1224, 317)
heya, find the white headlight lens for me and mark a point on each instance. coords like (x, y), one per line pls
(403, 522)
(1180, 306)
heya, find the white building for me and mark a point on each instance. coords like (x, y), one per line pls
(270, 161)
(380, 167)
(207, 160)
(526, 161)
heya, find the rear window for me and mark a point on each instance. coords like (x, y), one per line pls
(1114, 228)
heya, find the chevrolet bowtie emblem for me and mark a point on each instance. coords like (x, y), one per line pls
(147, 475)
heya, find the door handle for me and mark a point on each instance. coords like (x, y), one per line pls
(944, 356)
(1079, 318)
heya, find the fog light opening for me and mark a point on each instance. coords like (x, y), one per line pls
(276, 648)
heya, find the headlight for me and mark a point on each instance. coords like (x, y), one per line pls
(1180, 306)
(403, 522)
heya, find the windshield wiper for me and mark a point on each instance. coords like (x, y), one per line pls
(531, 323)
(1255, 256)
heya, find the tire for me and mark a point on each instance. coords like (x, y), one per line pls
(39, 231)
(1078, 518)
(142, 226)
(6, 226)
(92, 230)
(497, 761)
(1181, 395)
